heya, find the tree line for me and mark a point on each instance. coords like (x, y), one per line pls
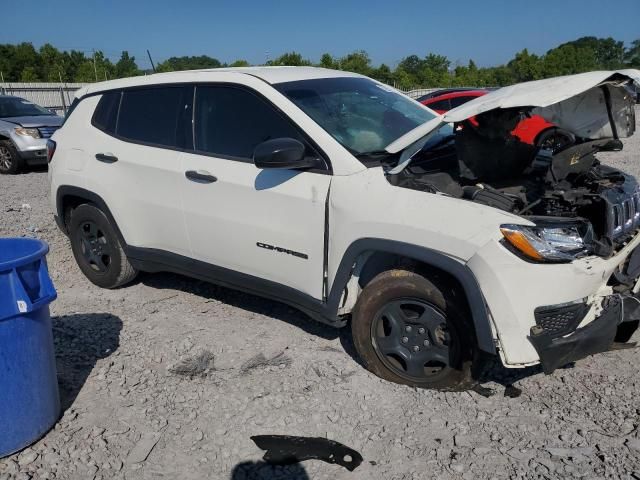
(24, 63)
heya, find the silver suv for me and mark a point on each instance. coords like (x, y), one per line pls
(24, 130)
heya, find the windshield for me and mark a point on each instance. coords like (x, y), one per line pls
(19, 107)
(364, 116)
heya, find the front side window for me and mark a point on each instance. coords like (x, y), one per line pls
(231, 122)
(156, 116)
(363, 115)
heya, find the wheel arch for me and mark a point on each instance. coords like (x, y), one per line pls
(549, 129)
(371, 256)
(69, 197)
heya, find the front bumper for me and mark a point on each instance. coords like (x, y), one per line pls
(31, 150)
(598, 336)
(514, 289)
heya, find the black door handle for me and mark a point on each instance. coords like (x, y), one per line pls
(200, 176)
(106, 158)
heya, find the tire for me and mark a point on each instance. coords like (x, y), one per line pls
(555, 139)
(10, 161)
(407, 331)
(97, 249)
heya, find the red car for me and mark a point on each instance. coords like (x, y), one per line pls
(533, 130)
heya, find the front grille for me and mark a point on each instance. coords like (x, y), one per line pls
(559, 320)
(46, 132)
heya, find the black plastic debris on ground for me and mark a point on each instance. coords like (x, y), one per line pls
(287, 450)
(512, 391)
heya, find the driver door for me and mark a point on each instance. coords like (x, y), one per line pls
(264, 223)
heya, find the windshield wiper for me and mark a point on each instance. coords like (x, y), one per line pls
(376, 154)
(373, 158)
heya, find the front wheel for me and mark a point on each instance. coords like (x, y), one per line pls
(406, 331)
(97, 249)
(10, 161)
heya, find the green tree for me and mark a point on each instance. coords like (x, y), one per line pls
(327, 61)
(608, 53)
(240, 63)
(29, 74)
(291, 59)
(52, 64)
(383, 74)
(174, 64)
(126, 66)
(632, 54)
(568, 59)
(357, 62)
(525, 67)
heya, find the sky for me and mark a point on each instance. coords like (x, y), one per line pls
(490, 31)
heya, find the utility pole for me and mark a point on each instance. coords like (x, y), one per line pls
(153, 67)
(95, 70)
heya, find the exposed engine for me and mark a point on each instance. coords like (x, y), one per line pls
(481, 161)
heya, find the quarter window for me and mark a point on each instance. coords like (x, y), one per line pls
(106, 112)
(156, 116)
(231, 122)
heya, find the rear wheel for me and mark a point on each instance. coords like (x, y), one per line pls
(97, 249)
(10, 161)
(555, 139)
(407, 332)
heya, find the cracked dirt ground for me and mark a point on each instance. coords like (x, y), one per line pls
(170, 377)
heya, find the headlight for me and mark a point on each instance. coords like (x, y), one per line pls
(553, 242)
(28, 132)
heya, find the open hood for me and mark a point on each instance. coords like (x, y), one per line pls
(577, 103)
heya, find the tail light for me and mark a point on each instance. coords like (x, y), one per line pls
(51, 149)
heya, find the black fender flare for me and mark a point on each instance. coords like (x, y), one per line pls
(65, 191)
(437, 259)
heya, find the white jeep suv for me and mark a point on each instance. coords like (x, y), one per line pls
(439, 238)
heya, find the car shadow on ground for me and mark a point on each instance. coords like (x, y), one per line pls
(245, 301)
(80, 341)
(264, 471)
(492, 370)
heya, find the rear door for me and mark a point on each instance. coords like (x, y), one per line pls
(135, 162)
(265, 223)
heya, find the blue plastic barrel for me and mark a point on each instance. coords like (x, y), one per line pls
(29, 401)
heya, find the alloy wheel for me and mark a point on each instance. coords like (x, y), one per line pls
(5, 158)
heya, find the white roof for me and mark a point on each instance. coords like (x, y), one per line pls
(270, 75)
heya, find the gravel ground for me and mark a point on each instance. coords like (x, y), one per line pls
(170, 377)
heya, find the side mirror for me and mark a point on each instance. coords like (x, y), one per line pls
(282, 153)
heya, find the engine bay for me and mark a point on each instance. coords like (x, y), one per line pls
(479, 160)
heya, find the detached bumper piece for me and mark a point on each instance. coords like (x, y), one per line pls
(556, 348)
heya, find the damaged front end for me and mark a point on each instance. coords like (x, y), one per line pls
(578, 205)
(573, 207)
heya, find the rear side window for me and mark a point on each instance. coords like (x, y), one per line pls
(232, 122)
(457, 101)
(157, 116)
(439, 105)
(106, 113)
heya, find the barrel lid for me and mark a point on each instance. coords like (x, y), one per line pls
(15, 252)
